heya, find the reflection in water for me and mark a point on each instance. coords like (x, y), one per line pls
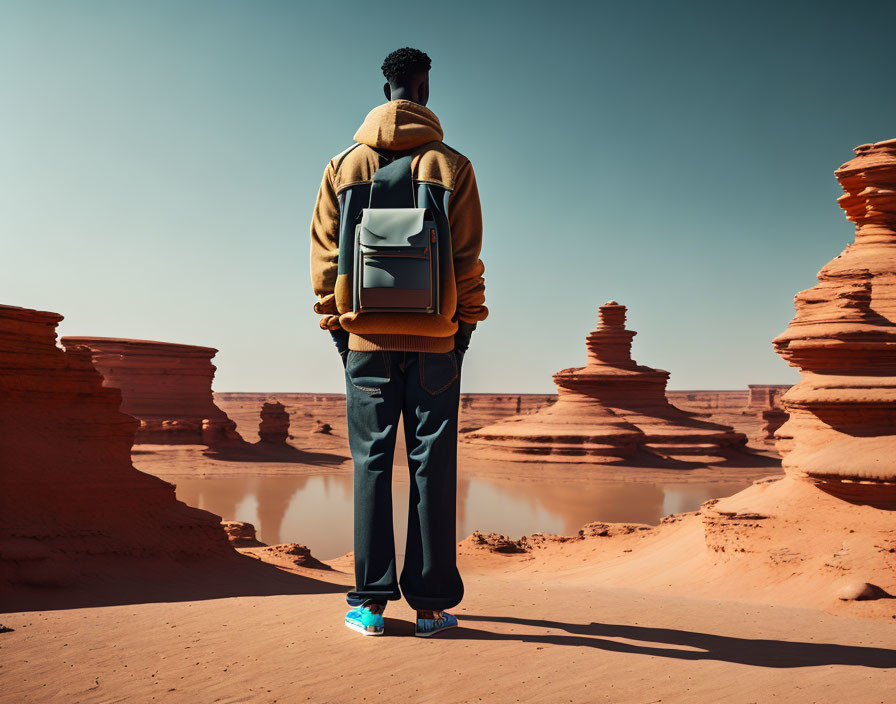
(316, 510)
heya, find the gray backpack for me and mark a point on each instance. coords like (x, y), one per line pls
(396, 247)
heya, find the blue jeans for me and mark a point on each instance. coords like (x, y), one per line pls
(425, 387)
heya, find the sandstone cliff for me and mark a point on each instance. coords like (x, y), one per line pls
(842, 428)
(166, 386)
(70, 499)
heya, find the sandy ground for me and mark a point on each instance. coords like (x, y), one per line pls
(735, 603)
(522, 639)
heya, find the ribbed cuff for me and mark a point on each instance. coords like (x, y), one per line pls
(400, 343)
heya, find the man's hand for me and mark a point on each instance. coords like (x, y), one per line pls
(330, 322)
(340, 339)
(463, 335)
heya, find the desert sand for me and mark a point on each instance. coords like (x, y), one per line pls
(620, 614)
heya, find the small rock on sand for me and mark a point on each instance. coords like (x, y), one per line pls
(862, 591)
(241, 534)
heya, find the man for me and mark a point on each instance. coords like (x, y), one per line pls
(402, 362)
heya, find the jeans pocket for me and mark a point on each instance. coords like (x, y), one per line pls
(367, 371)
(438, 370)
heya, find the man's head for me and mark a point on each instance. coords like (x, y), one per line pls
(407, 75)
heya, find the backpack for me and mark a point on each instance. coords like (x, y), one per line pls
(396, 247)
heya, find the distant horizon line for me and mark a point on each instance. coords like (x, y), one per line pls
(497, 393)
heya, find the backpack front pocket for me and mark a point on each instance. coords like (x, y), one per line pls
(399, 279)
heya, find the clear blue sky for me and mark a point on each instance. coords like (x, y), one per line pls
(159, 163)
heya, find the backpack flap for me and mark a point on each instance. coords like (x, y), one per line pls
(394, 227)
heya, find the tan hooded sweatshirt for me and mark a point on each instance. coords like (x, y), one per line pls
(401, 125)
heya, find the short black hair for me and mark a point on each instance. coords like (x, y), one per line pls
(402, 63)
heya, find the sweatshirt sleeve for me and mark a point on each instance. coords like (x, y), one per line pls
(465, 223)
(325, 248)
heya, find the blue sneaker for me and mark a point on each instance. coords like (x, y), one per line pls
(430, 626)
(362, 620)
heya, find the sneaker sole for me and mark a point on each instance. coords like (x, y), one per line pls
(363, 631)
(432, 633)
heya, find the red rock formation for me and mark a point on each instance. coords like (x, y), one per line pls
(772, 419)
(69, 495)
(575, 429)
(608, 410)
(764, 396)
(241, 534)
(274, 426)
(764, 401)
(166, 386)
(842, 428)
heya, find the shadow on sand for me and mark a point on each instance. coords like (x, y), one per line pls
(156, 581)
(691, 645)
(743, 457)
(271, 452)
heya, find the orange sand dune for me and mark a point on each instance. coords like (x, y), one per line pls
(781, 541)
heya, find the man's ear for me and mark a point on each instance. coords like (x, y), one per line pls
(387, 89)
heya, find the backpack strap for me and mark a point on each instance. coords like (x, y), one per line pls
(393, 185)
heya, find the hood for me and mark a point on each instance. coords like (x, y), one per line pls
(399, 125)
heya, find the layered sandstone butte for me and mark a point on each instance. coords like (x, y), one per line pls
(772, 419)
(166, 386)
(69, 495)
(842, 428)
(763, 396)
(274, 426)
(765, 401)
(609, 410)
